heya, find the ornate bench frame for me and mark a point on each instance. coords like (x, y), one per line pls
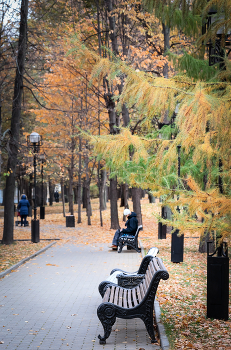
(137, 302)
(129, 240)
(128, 279)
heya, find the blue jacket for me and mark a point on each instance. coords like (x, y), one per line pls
(23, 205)
(131, 225)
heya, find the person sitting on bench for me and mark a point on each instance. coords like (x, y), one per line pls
(131, 228)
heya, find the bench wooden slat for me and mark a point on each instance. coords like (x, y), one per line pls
(134, 296)
(142, 290)
(138, 293)
(152, 268)
(121, 297)
(148, 275)
(116, 295)
(157, 267)
(145, 285)
(106, 295)
(125, 299)
(112, 294)
(129, 298)
(162, 267)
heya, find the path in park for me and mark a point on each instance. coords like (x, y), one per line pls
(50, 302)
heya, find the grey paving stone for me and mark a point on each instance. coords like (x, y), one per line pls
(50, 302)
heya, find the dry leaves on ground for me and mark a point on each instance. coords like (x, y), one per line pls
(182, 297)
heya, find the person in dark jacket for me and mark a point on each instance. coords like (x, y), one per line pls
(23, 206)
(131, 228)
(56, 195)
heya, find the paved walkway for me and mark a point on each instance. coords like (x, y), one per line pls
(50, 302)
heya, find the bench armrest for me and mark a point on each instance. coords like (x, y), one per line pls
(129, 281)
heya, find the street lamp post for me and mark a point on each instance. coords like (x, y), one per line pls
(42, 157)
(34, 140)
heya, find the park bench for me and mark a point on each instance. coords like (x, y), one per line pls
(136, 302)
(130, 241)
(128, 279)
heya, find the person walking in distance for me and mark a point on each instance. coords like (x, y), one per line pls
(23, 206)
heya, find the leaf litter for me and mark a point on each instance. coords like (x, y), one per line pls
(182, 297)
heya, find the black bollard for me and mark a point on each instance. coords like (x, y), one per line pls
(35, 234)
(177, 247)
(70, 221)
(218, 283)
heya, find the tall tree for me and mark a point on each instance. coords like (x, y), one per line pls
(15, 126)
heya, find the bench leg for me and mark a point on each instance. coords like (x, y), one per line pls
(148, 321)
(120, 247)
(106, 315)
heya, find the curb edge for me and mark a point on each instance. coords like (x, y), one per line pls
(164, 343)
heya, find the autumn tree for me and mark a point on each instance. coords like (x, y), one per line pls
(201, 103)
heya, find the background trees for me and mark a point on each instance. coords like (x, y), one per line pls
(97, 65)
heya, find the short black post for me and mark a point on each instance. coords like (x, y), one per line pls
(177, 241)
(177, 247)
(162, 229)
(70, 221)
(218, 283)
(35, 234)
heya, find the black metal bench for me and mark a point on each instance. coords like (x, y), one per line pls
(137, 302)
(130, 241)
(128, 279)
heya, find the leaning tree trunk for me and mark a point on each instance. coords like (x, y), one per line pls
(15, 127)
(136, 195)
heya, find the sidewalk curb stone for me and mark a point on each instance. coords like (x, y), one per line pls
(164, 343)
(14, 267)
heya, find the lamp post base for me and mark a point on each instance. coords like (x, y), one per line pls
(42, 213)
(35, 231)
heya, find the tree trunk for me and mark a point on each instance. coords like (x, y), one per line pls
(136, 195)
(75, 194)
(103, 189)
(63, 198)
(88, 206)
(84, 194)
(114, 209)
(15, 127)
(207, 237)
(125, 198)
(51, 192)
(166, 32)
(151, 198)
